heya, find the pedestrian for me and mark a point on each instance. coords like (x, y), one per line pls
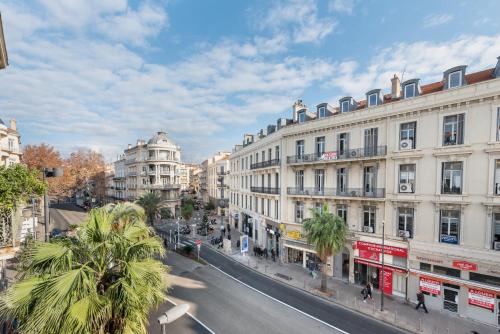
(368, 292)
(228, 228)
(421, 301)
(273, 255)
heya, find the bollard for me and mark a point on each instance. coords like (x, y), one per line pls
(265, 269)
(373, 307)
(420, 324)
(355, 303)
(248, 262)
(304, 284)
(395, 316)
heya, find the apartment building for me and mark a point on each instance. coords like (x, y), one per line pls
(151, 166)
(213, 185)
(10, 145)
(414, 173)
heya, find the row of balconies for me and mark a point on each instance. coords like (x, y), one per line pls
(265, 190)
(348, 154)
(163, 186)
(347, 192)
(264, 164)
(222, 173)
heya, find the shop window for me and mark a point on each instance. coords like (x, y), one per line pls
(453, 130)
(450, 225)
(425, 266)
(446, 271)
(451, 182)
(486, 279)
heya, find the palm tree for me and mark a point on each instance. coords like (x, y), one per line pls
(104, 280)
(326, 232)
(151, 204)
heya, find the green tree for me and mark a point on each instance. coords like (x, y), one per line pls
(165, 213)
(187, 211)
(326, 232)
(104, 280)
(18, 184)
(151, 204)
(210, 206)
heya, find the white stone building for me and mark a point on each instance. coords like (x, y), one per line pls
(418, 167)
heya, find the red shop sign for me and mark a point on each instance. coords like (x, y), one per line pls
(387, 281)
(430, 285)
(464, 265)
(482, 299)
(389, 250)
(374, 256)
(378, 265)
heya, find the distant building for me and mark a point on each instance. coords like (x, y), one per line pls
(213, 180)
(10, 150)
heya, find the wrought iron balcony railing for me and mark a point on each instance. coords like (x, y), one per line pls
(348, 192)
(265, 190)
(357, 153)
(264, 164)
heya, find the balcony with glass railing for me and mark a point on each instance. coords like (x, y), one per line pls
(349, 154)
(330, 192)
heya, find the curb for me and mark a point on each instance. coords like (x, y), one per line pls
(411, 330)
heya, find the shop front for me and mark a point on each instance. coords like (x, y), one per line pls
(368, 267)
(300, 253)
(273, 236)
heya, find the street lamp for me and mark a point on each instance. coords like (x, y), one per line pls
(178, 235)
(383, 276)
(48, 172)
(171, 315)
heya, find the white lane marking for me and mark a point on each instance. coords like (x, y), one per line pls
(192, 316)
(279, 301)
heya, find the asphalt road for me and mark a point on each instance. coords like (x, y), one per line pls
(339, 317)
(64, 214)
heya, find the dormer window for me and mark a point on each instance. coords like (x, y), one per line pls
(455, 79)
(409, 90)
(344, 106)
(301, 117)
(321, 112)
(372, 100)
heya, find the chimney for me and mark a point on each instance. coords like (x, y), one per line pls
(298, 105)
(129, 146)
(396, 87)
(496, 74)
(13, 124)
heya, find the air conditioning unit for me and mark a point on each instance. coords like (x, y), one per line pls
(497, 188)
(406, 144)
(405, 188)
(404, 234)
(368, 229)
(353, 153)
(496, 245)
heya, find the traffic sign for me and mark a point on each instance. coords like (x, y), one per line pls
(198, 242)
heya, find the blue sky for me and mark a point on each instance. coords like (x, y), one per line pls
(103, 73)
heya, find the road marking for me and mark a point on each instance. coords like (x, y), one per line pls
(192, 316)
(279, 301)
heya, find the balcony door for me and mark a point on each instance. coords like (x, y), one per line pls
(371, 141)
(370, 180)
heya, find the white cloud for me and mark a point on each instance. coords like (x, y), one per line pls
(433, 20)
(301, 17)
(341, 6)
(424, 60)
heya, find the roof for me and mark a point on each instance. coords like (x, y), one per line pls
(161, 138)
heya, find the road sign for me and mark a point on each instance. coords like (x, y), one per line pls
(198, 242)
(244, 243)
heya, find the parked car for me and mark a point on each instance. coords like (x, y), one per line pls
(185, 230)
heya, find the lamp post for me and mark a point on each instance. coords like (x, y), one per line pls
(383, 276)
(48, 172)
(178, 234)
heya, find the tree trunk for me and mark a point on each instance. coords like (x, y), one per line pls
(323, 276)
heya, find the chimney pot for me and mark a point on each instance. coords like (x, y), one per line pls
(395, 87)
(129, 146)
(13, 124)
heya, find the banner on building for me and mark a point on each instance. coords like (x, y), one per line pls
(244, 243)
(429, 285)
(387, 281)
(329, 156)
(365, 254)
(465, 265)
(388, 250)
(482, 299)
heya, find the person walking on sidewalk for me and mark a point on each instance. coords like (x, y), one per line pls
(368, 292)
(421, 301)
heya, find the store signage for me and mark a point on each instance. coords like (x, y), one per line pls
(389, 250)
(374, 256)
(329, 156)
(294, 234)
(464, 265)
(482, 299)
(430, 285)
(387, 281)
(449, 239)
(378, 265)
(244, 243)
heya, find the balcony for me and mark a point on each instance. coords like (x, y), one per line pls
(132, 174)
(164, 172)
(163, 186)
(350, 154)
(222, 173)
(265, 190)
(265, 164)
(219, 185)
(151, 172)
(329, 192)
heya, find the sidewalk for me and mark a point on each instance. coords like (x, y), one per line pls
(396, 311)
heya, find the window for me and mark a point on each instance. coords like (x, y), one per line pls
(453, 130)
(452, 178)
(246, 182)
(251, 181)
(262, 206)
(486, 279)
(299, 148)
(344, 106)
(407, 135)
(455, 79)
(342, 180)
(371, 141)
(276, 180)
(496, 231)
(251, 201)
(342, 212)
(263, 156)
(409, 90)
(270, 154)
(268, 207)
(11, 144)
(256, 157)
(496, 185)
(299, 212)
(318, 206)
(407, 178)
(251, 160)
(299, 180)
(369, 219)
(320, 146)
(246, 202)
(425, 266)
(321, 112)
(319, 180)
(277, 152)
(405, 222)
(342, 144)
(301, 117)
(370, 179)
(498, 124)
(450, 224)
(446, 271)
(276, 209)
(372, 100)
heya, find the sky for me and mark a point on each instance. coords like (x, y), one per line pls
(103, 73)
